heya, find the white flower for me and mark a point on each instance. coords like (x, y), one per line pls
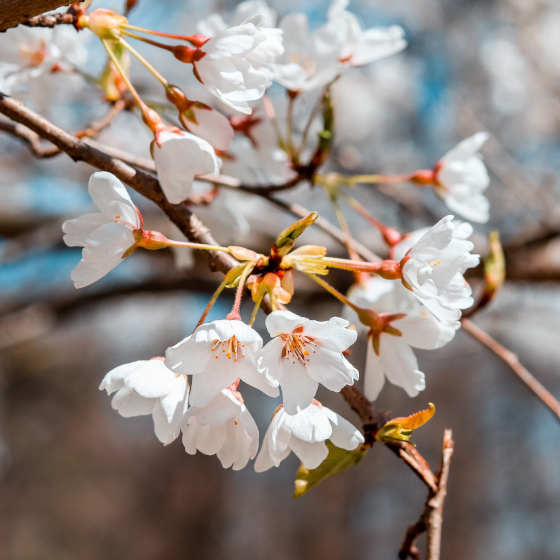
(179, 158)
(213, 24)
(257, 159)
(310, 61)
(216, 354)
(224, 427)
(305, 434)
(237, 63)
(434, 267)
(461, 178)
(304, 353)
(409, 324)
(105, 236)
(208, 124)
(148, 387)
(361, 47)
(29, 53)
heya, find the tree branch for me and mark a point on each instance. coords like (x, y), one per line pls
(14, 12)
(50, 20)
(144, 183)
(431, 519)
(508, 357)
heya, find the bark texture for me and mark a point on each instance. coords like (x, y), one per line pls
(14, 12)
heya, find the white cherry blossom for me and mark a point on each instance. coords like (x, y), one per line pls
(180, 157)
(216, 355)
(359, 47)
(28, 54)
(208, 124)
(148, 387)
(305, 434)
(434, 267)
(214, 23)
(389, 352)
(310, 61)
(236, 65)
(461, 179)
(223, 427)
(304, 353)
(105, 236)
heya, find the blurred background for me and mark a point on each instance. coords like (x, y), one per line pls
(79, 482)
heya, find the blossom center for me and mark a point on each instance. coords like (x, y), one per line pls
(297, 346)
(232, 348)
(34, 56)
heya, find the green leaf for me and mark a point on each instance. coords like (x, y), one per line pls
(285, 240)
(338, 460)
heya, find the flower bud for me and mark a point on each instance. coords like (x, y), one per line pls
(104, 23)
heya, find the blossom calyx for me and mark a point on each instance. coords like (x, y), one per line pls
(187, 54)
(104, 23)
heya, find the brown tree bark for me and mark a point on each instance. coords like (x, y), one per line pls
(14, 12)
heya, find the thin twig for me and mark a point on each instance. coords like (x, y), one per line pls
(508, 357)
(431, 520)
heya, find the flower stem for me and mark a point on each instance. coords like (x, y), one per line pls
(155, 73)
(271, 114)
(143, 107)
(148, 41)
(255, 310)
(381, 178)
(171, 243)
(390, 236)
(333, 291)
(187, 38)
(345, 229)
(234, 314)
(212, 301)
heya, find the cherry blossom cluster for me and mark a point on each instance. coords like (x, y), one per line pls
(413, 299)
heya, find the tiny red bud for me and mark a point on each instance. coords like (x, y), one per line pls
(424, 177)
(187, 55)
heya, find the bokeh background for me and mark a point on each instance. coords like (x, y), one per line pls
(79, 482)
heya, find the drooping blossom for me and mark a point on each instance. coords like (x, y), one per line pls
(106, 236)
(305, 434)
(216, 354)
(180, 157)
(214, 23)
(461, 179)
(148, 387)
(304, 353)
(223, 427)
(404, 323)
(208, 124)
(310, 60)
(360, 47)
(236, 65)
(433, 264)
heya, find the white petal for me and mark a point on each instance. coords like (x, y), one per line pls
(374, 376)
(422, 330)
(309, 425)
(400, 365)
(331, 369)
(78, 230)
(310, 454)
(112, 198)
(344, 435)
(129, 403)
(298, 388)
(114, 379)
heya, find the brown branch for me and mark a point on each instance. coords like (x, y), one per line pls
(32, 140)
(431, 519)
(144, 183)
(50, 20)
(508, 357)
(14, 12)
(412, 457)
